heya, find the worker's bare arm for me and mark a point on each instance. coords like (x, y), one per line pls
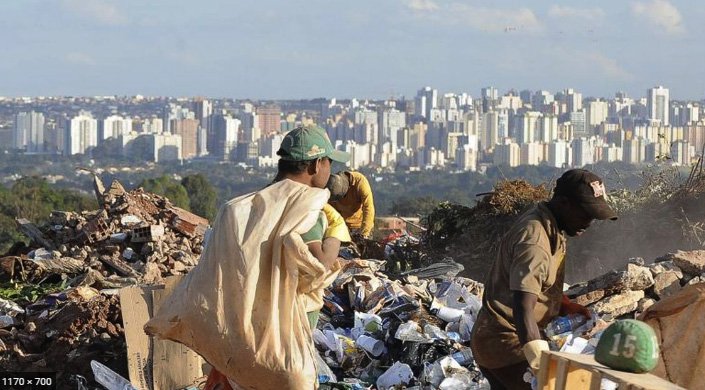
(527, 328)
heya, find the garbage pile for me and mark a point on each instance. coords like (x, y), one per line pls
(60, 310)
(409, 332)
(470, 235)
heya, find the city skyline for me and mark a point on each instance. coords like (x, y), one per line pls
(273, 50)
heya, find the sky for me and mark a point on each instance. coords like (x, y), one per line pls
(266, 49)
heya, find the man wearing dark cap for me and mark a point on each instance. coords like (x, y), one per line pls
(524, 288)
(351, 195)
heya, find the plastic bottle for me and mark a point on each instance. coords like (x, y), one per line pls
(565, 324)
(463, 356)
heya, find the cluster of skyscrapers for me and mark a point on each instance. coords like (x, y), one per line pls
(450, 130)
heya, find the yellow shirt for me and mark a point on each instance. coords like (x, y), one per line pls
(529, 259)
(357, 206)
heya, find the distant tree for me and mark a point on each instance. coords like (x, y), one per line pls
(409, 207)
(168, 187)
(202, 195)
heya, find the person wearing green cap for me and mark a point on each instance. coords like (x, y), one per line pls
(306, 154)
(524, 288)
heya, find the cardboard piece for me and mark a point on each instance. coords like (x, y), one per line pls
(154, 364)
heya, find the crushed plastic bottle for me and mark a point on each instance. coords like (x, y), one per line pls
(463, 357)
(565, 324)
(109, 378)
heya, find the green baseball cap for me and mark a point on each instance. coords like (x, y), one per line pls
(308, 143)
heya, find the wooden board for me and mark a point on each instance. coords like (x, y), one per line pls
(560, 370)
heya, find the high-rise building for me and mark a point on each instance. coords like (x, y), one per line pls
(114, 126)
(489, 135)
(559, 154)
(202, 110)
(583, 151)
(580, 128)
(426, 99)
(269, 119)
(188, 130)
(547, 128)
(466, 155)
(634, 151)
(573, 100)
(28, 134)
(682, 153)
(225, 129)
(597, 112)
(527, 126)
(392, 120)
(153, 125)
(657, 102)
(530, 153)
(507, 153)
(81, 134)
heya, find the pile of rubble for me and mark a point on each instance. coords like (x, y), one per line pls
(134, 237)
(636, 287)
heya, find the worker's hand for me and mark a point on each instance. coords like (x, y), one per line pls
(532, 352)
(336, 225)
(569, 307)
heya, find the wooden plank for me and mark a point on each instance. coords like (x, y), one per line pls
(174, 365)
(595, 380)
(578, 377)
(562, 374)
(543, 374)
(643, 381)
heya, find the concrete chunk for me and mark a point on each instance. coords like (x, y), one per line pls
(665, 284)
(664, 266)
(634, 277)
(691, 262)
(619, 304)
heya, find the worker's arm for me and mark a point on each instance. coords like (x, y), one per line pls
(528, 330)
(368, 208)
(523, 306)
(326, 252)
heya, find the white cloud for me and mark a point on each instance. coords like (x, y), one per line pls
(660, 13)
(608, 66)
(97, 10)
(78, 58)
(422, 5)
(561, 11)
(495, 19)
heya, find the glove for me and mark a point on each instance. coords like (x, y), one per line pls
(336, 225)
(532, 351)
(569, 307)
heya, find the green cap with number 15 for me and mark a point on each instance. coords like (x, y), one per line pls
(628, 345)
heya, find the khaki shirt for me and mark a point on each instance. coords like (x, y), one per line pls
(529, 259)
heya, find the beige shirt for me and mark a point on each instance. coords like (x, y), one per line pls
(529, 259)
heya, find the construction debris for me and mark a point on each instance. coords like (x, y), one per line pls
(65, 314)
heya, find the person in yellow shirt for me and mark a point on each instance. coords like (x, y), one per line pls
(351, 195)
